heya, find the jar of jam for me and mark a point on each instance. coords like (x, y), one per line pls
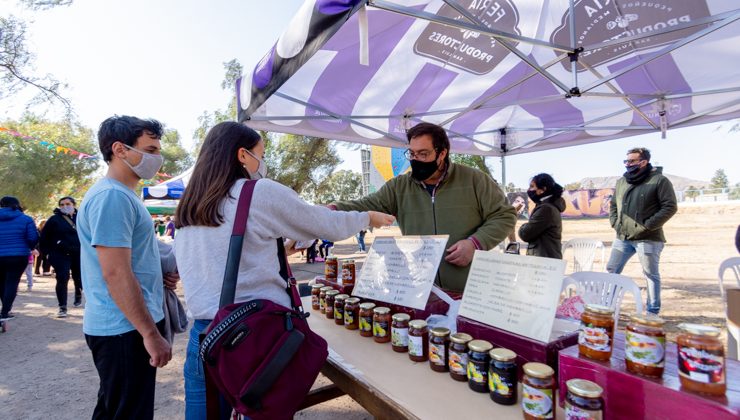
(348, 272)
(366, 319)
(331, 268)
(418, 340)
(458, 356)
(583, 400)
(478, 360)
(329, 303)
(701, 359)
(339, 308)
(503, 376)
(352, 313)
(596, 333)
(644, 345)
(439, 345)
(322, 298)
(400, 332)
(315, 291)
(381, 324)
(538, 391)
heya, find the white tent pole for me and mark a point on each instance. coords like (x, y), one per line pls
(503, 172)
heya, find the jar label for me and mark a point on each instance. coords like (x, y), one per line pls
(537, 402)
(322, 304)
(437, 354)
(477, 372)
(366, 323)
(705, 366)
(349, 318)
(501, 384)
(644, 349)
(573, 412)
(416, 346)
(458, 363)
(380, 328)
(338, 312)
(400, 337)
(314, 300)
(595, 338)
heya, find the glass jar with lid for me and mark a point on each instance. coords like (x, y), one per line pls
(315, 292)
(352, 313)
(596, 333)
(366, 319)
(644, 345)
(348, 272)
(400, 332)
(458, 356)
(329, 305)
(478, 360)
(583, 400)
(322, 298)
(538, 391)
(503, 376)
(331, 268)
(381, 324)
(439, 343)
(339, 308)
(418, 340)
(701, 359)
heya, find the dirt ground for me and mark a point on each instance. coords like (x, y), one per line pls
(46, 369)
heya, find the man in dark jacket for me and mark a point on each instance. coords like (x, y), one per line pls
(642, 203)
(60, 242)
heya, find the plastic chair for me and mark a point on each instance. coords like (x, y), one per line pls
(584, 252)
(732, 264)
(606, 289)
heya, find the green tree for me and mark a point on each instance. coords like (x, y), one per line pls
(176, 158)
(573, 186)
(37, 174)
(300, 161)
(233, 70)
(510, 187)
(474, 161)
(735, 192)
(339, 186)
(691, 192)
(719, 180)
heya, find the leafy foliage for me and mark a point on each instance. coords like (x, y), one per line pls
(474, 161)
(339, 186)
(299, 161)
(719, 180)
(176, 158)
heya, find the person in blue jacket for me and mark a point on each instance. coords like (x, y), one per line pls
(18, 236)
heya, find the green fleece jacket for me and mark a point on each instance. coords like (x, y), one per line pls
(638, 212)
(467, 203)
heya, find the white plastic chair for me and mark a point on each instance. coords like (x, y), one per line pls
(732, 264)
(606, 289)
(584, 252)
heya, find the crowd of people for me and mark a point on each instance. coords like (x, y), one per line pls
(110, 249)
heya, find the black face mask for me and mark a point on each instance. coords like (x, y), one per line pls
(534, 196)
(421, 171)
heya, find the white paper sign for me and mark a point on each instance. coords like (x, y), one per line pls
(401, 270)
(516, 293)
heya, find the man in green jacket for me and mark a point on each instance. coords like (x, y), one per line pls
(642, 203)
(442, 198)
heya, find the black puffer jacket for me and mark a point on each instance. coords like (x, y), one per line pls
(59, 236)
(544, 230)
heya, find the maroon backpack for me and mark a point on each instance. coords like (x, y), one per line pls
(262, 357)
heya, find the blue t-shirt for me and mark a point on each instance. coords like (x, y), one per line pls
(113, 216)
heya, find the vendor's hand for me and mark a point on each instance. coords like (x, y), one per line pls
(461, 253)
(378, 219)
(170, 280)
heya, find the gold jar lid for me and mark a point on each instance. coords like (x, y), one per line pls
(698, 329)
(341, 296)
(401, 317)
(326, 288)
(599, 309)
(348, 261)
(647, 319)
(502, 355)
(352, 301)
(417, 324)
(440, 332)
(584, 388)
(318, 286)
(461, 338)
(382, 310)
(332, 292)
(538, 370)
(367, 306)
(481, 346)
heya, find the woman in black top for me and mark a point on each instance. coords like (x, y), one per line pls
(544, 230)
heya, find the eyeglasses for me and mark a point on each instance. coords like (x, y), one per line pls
(422, 155)
(632, 161)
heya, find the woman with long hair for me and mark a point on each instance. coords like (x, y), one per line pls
(544, 229)
(18, 236)
(231, 154)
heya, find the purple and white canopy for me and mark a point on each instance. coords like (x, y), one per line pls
(502, 76)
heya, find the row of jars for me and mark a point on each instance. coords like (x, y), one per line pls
(701, 361)
(335, 269)
(484, 368)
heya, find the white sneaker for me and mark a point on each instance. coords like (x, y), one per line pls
(62, 313)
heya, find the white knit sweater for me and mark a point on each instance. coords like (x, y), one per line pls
(276, 211)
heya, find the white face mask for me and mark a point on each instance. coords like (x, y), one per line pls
(149, 165)
(261, 169)
(68, 210)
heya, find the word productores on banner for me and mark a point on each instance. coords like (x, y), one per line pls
(401, 270)
(515, 293)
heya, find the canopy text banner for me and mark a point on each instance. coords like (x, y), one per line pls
(401, 270)
(514, 293)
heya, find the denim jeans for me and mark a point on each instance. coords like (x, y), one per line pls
(195, 381)
(649, 254)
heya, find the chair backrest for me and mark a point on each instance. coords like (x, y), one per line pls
(606, 289)
(732, 264)
(584, 252)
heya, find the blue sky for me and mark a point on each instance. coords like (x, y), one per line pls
(164, 59)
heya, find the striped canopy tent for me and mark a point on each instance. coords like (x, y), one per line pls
(503, 77)
(172, 189)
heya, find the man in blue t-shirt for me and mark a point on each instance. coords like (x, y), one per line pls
(121, 272)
